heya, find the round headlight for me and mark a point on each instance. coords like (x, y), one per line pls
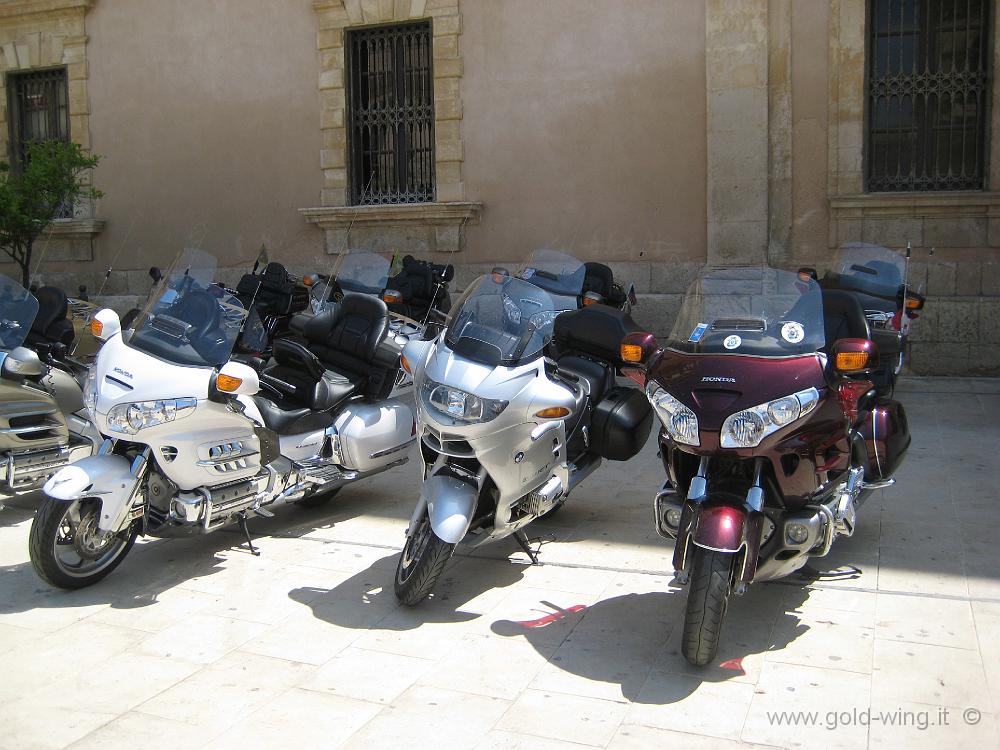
(134, 417)
(746, 428)
(783, 410)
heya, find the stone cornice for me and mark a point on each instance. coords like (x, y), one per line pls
(14, 8)
(74, 229)
(964, 203)
(403, 214)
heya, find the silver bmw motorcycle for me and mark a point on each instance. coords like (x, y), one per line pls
(516, 404)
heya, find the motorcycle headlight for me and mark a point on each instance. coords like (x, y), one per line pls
(130, 418)
(90, 392)
(745, 429)
(457, 404)
(680, 422)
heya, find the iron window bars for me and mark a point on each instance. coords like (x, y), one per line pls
(39, 110)
(928, 83)
(390, 114)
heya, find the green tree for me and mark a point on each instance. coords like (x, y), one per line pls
(30, 198)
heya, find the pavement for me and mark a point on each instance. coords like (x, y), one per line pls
(893, 640)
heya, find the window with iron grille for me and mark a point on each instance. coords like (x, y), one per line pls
(37, 103)
(928, 84)
(390, 112)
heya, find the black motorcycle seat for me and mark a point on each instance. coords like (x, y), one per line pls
(50, 322)
(594, 375)
(302, 381)
(288, 419)
(333, 388)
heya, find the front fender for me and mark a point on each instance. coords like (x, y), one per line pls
(108, 477)
(720, 527)
(450, 505)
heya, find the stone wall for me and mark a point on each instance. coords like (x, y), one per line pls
(37, 35)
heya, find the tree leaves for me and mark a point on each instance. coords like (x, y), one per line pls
(54, 175)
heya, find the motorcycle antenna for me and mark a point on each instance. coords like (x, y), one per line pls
(114, 261)
(347, 235)
(906, 267)
(41, 257)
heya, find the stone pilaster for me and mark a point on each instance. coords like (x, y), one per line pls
(779, 124)
(736, 77)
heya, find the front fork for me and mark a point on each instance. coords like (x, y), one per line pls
(715, 526)
(134, 505)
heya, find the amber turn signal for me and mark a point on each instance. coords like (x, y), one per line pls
(553, 412)
(405, 363)
(227, 383)
(631, 353)
(96, 328)
(912, 303)
(852, 361)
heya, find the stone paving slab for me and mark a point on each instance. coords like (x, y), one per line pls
(891, 641)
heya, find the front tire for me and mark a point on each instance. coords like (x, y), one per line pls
(708, 597)
(66, 547)
(420, 564)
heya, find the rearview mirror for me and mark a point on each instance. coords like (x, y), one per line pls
(854, 356)
(105, 324)
(238, 379)
(22, 362)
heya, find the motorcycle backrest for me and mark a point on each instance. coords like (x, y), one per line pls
(595, 330)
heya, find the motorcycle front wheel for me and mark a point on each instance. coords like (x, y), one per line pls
(708, 596)
(420, 564)
(68, 550)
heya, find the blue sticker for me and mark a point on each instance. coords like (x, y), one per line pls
(698, 332)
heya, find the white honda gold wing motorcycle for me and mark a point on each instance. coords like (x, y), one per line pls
(506, 432)
(190, 444)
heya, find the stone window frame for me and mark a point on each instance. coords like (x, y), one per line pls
(40, 34)
(943, 219)
(447, 216)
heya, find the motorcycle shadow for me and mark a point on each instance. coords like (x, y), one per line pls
(634, 641)
(154, 565)
(371, 591)
(16, 511)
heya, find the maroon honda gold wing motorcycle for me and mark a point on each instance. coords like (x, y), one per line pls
(771, 435)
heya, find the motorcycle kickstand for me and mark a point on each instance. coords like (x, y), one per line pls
(246, 532)
(522, 541)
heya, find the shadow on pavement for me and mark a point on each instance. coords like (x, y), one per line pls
(373, 587)
(624, 639)
(157, 565)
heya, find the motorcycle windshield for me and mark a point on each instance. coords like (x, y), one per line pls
(17, 312)
(763, 312)
(502, 321)
(872, 269)
(359, 271)
(189, 320)
(554, 271)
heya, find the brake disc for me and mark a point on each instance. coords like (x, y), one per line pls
(89, 541)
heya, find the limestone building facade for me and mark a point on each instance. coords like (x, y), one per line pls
(654, 135)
